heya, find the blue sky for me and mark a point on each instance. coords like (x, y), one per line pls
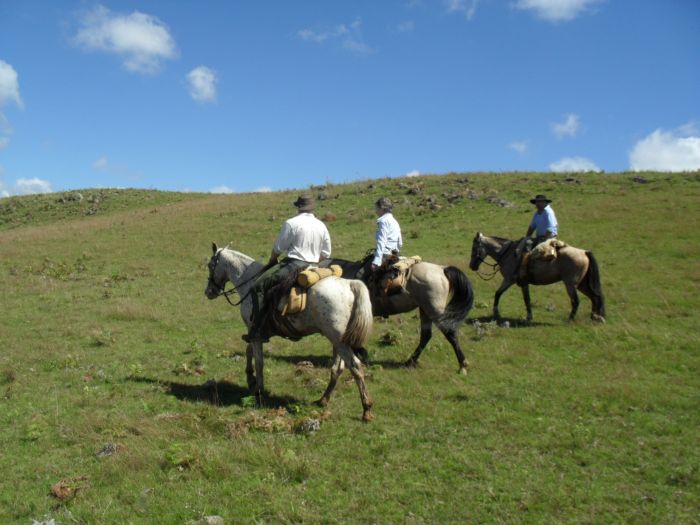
(262, 95)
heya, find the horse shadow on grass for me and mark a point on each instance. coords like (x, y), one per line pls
(325, 362)
(218, 393)
(512, 322)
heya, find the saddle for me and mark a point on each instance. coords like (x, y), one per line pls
(545, 251)
(293, 300)
(394, 275)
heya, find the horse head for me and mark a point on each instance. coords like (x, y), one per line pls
(217, 275)
(478, 252)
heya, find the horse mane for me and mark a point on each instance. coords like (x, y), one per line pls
(505, 243)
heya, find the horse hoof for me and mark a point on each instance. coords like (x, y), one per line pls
(411, 363)
(367, 416)
(321, 402)
(462, 371)
(598, 318)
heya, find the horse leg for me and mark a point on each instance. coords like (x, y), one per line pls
(507, 283)
(528, 304)
(426, 332)
(571, 290)
(249, 371)
(356, 369)
(336, 370)
(362, 354)
(585, 289)
(259, 377)
(451, 335)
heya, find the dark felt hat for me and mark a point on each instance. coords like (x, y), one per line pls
(305, 202)
(540, 198)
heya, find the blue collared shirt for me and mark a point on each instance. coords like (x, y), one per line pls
(544, 221)
(388, 237)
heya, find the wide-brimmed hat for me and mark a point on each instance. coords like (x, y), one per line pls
(305, 202)
(384, 204)
(540, 198)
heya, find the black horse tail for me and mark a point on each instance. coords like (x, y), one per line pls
(461, 302)
(592, 279)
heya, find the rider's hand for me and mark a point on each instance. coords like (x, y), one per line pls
(375, 267)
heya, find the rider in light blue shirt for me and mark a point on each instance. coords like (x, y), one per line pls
(544, 222)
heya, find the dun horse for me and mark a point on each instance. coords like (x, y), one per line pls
(577, 268)
(339, 309)
(442, 294)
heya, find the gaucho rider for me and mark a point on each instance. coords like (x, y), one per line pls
(388, 235)
(306, 241)
(544, 225)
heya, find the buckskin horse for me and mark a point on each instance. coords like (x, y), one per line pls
(339, 309)
(442, 294)
(577, 268)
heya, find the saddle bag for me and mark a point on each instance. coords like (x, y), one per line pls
(394, 280)
(296, 300)
(311, 276)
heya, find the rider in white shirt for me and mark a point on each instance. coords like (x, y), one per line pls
(306, 241)
(388, 235)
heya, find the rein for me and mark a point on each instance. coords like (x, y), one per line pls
(234, 290)
(495, 267)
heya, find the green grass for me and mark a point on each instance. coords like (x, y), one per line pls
(107, 338)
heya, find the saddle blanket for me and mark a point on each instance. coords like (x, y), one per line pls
(296, 300)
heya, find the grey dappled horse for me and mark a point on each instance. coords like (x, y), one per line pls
(577, 268)
(337, 308)
(443, 295)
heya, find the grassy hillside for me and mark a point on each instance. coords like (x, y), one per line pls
(122, 388)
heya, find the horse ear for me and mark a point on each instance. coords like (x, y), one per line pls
(214, 248)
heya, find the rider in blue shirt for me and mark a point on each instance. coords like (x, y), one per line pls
(544, 225)
(544, 222)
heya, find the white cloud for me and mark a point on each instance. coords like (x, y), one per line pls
(111, 169)
(349, 36)
(573, 164)
(9, 85)
(5, 126)
(33, 185)
(414, 173)
(519, 146)
(676, 150)
(101, 164)
(555, 10)
(569, 127)
(25, 187)
(263, 189)
(201, 83)
(142, 41)
(4, 141)
(221, 189)
(405, 27)
(468, 7)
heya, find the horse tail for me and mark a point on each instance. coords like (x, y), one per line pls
(592, 279)
(360, 323)
(462, 299)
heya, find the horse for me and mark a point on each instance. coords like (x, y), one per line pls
(442, 294)
(339, 309)
(577, 268)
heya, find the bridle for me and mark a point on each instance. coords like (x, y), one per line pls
(220, 290)
(495, 267)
